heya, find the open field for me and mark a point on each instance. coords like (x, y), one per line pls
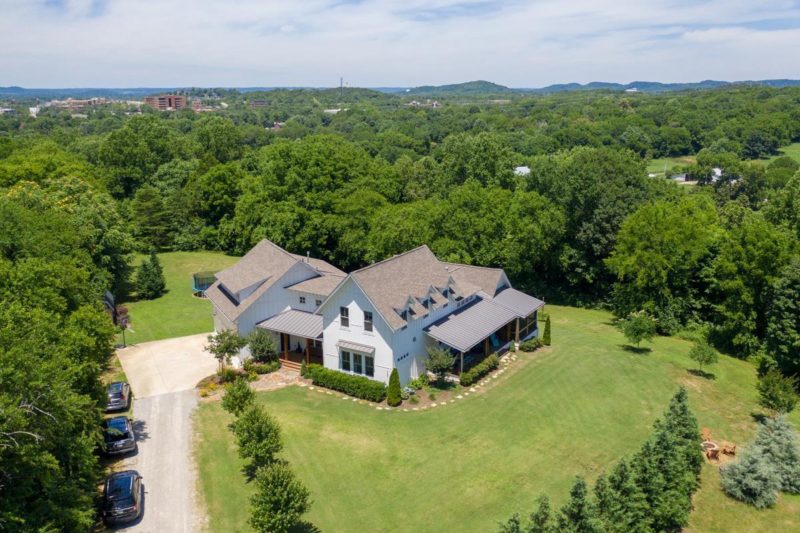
(657, 166)
(574, 408)
(177, 313)
(793, 151)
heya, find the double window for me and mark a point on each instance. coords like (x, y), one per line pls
(367, 320)
(358, 363)
(302, 299)
(344, 317)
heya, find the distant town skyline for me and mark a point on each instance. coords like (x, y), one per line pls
(382, 43)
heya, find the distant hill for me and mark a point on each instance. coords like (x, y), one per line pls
(468, 88)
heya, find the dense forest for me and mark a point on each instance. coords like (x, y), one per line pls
(354, 176)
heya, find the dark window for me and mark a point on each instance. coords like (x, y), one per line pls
(344, 317)
(302, 299)
(367, 320)
(345, 358)
(369, 363)
(404, 314)
(318, 303)
(357, 366)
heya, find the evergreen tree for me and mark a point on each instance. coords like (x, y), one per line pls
(621, 504)
(259, 438)
(393, 397)
(682, 423)
(541, 520)
(238, 397)
(579, 514)
(546, 336)
(777, 393)
(280, 499)
(512, 525)
(150, 282)
(752, 479)
(779, 441)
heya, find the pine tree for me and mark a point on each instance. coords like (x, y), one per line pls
(546, 336)
(393, 397)
(779, 441)
(150, 278)
(681, 422)
(752, 479)
(513, 525)
(620, 502)
(542, 518)
(579, 514)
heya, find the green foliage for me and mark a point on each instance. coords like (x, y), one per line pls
(356, 386)
(703, 354)
(783, 320)
(258, 437)
(751, 479)
(779, 441)
(478, 371)
(579, 515)
(777, 393)
(261, 368)
(440, 362)
(224, 345)
(531, 345)
(280, 499)
(393, 396)
(150, 282)
(638, 327)
(262, 346)
(546, 336)
(238, 397)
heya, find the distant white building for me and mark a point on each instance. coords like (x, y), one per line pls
(522, 171)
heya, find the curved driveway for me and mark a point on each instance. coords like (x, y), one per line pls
(163, 375)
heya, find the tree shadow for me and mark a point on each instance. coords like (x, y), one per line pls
(640, 350)
(305, 527)
(759, 417)
(140, 429)
(701, 373)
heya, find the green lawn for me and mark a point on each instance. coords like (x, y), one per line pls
(176, 313)
(573, 409)
(793, 151)
(657, 166)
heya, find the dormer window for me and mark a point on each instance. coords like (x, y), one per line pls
(404, 314)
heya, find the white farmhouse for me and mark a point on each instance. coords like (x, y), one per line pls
(380, 317)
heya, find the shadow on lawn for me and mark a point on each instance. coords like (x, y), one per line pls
(640, 350)
(305, 527)
(701, 373)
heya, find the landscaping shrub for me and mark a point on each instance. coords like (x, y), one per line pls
(546, 337)
(393, 395)
(261, 368)
(478, 371)
(227, 374)
(303, 370)
(440, 361)
(258, 437)
(777, 392)
(262, 346)
(779, 441)
(414, 400)
(752, 479)
(238, 397)
(279, 501)
(150, 282)
(419, 382)
(356, 386)
(531, 345)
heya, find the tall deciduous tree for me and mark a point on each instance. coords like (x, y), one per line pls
(783, 320)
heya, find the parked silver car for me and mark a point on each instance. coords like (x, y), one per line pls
(118, 436)
(119, 396)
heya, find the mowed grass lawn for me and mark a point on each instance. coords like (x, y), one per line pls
(176, 313)
(573, 409)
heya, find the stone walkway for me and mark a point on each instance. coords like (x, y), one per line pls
(277, 380)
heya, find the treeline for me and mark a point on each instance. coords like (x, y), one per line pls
(651, 491)
(62, 244)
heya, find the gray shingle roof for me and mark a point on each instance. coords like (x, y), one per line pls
(322, 285)
(389, 284)
(518, 302)
(294, 322)
(471, 324)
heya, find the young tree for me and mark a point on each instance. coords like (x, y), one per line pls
(238, 397)
(621, 505)
(393, 397)
(703, 353)
(579, 514)
(777, 393)
(440, 361)
(225, 345)
(280, 499)
(512, 525)
(752, 479)
(546, 336)
(541, 520)
(262, 346)
(638, 327)
(150, 278)
(259, 438)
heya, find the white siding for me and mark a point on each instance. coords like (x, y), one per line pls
(350, 295)
(221, 322)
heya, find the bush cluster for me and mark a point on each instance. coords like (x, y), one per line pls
(531, 345)
(478, 371)
(252, 365)
(356, 386)
(651, 492)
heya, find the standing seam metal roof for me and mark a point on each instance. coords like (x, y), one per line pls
(469, 325)
(294, 322)
(519, 302)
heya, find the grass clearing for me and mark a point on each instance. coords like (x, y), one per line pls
(658, 166)
(177, 313)
(574, 409)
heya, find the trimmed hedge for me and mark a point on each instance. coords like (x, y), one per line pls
(261, 368)
(356, 386)
(531, 345)
(478, 371)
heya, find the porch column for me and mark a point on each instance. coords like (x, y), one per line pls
(486, 346)
(516, 335)
(308, 350)
(462, 363)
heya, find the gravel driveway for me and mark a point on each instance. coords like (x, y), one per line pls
(162, 375)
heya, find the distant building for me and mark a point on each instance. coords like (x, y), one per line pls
(8, 111)
(632, 90)
(166, 102)
(33, 111)
(255, 104)
(522, 171)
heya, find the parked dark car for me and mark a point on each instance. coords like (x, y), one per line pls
(123, 496)
(118, 436)
(119, 396)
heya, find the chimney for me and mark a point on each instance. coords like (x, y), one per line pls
(308, 256)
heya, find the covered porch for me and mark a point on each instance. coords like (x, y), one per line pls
(487, 326)
(299, 336)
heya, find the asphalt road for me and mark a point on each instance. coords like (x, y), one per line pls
(164, 431)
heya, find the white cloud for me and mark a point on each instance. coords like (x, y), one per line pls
(384, 43)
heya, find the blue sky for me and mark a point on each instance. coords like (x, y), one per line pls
(126, 43)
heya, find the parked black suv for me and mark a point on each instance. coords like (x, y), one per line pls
(119, 396)
(118, 436)
(123, 496)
